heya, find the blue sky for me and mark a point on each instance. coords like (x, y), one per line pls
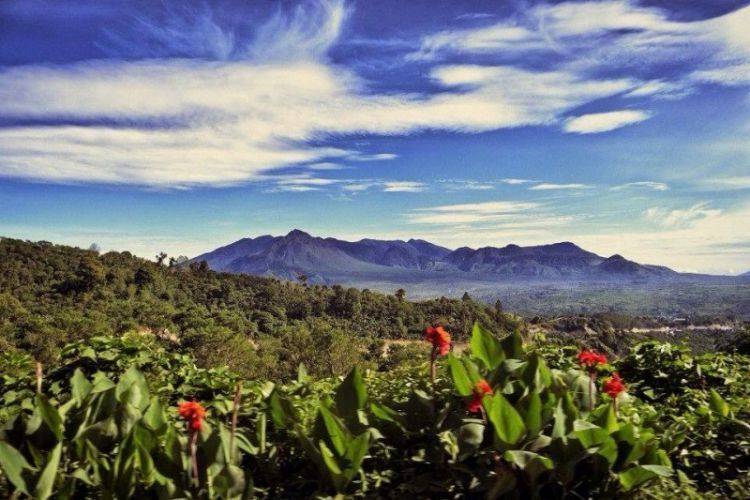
(182, 126)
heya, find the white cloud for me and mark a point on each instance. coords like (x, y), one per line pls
(358, 186)
(728, 183)
(326, 165)
(595, 123)
(403, 187)
(731, 75)
(372, 157)
(661, 89)
(489, 216)
(228, 122)
(593, 36)
(465, 185)
(305, 34)
(680, 217)
(491, 207)
(514, 182)
(187, 122)
(548, 186)
(656, 186)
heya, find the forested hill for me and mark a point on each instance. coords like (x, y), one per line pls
(52, 294)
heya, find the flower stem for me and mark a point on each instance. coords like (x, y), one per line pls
(38, 377)
(433, 367)
(235, 409)
(194, 455)
(592, 378)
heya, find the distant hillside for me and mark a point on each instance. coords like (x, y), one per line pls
(328, 260)
(51, 295)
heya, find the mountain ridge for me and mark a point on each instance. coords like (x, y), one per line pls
(330, 260)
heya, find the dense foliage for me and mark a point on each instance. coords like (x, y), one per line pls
(51, 295)
(106, 421)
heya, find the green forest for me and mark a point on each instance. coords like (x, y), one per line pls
(121, 376)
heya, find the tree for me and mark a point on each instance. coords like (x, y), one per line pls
(498, 307)
(160, 258)
(466, 297)
(400, 294)
(95, 248)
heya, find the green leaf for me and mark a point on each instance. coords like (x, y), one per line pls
(356, 452)
(718, 404)
(337, 433)
(46, 482)
(507, 422)
(536, 374)
(532, 412)
(470, 437)
(589, 434)
(49, 415)
(154, 417)
(283, 413)
(486, 347)
(351, 395)
(532, 463)
(80, 387)
(382, 412)
(513, 345)
(606, 418)
(461, 380)
(635, 476)
(132, 388)
(13, 464)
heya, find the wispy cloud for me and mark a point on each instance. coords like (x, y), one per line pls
(372, 157)
(680, 217)
(514, 182)
(403, 187)
(517, 217)
(465, 185)
(656, 186)
(727, 183)
(326, 165)
(604, 122)
(304, 34)
(548, 186)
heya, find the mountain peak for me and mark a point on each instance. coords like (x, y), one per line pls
(330, 260)
(297, 233)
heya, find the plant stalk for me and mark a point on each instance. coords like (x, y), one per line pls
(194, 455)
(433, 367)
(38, 377)
(235, 410)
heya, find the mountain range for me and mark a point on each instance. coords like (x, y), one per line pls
(298, 255)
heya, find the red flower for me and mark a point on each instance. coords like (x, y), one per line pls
(440, 339)
(590, 359)
(481, 389)
(614, 386)
(193, 414)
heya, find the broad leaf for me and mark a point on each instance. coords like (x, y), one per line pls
(13, 464)
(507, 422)
(351, 395)
(486, 347)
(461, 379)
(635, 476)
(46, 482)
